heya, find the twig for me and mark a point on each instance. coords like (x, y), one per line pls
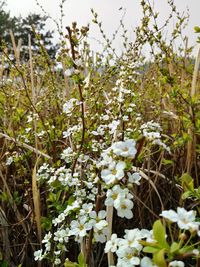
(21, 144)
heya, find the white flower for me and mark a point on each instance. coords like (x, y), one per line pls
(125, 118)
(71, 131)
(27, 130)
(83, 158)
(171, 215)
(196, 252)
(9, 160)
(64, 176)
(151, 135)
(57, 252)
(40, 134)
(98, 221)
(114, 172)
(47, 246)
(69, 72)
(75, 205)
(61, 235)
(101, 215)
(112, 244)
(100, 234)
(128, 256)
(67, 154)
(78, 62)
(69, 105)
(176, 264)
(185, 219)
(134, 178)
(38, 255)
(124, 208)
(133, 105)
(47, 237)
(151, 125)
(113, 126)
(146, 262)
(105, 117)
(131, 239)
(113, 194)
(80, 227)
(52, 179)
(129, 110)
(29, 118)
(57, 261)
(101, 224)
(86, 208)
(100, 130)
(106, 158)
(125, 149)
(163, 145)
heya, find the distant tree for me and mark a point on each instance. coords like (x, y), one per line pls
(32, 25)
(7, 23)
(35, 24)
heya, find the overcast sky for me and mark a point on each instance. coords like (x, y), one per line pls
(108, 10)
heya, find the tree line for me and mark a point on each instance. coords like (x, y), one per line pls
(32, 25)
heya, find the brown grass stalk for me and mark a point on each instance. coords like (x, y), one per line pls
(109, 219)
(16, 48)
(36, 202)
(66, 92)
(24, 145)
(191, 145)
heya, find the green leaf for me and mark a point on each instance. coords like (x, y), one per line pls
(69, 263)
(46, 223)
(185, 250)
(167, 162)
(187, 182)
(159, 234)
(81, 260)
(159, 258)
(186, 194)
(197, 29)
(174, 247)
(3, 264)
(150, 249)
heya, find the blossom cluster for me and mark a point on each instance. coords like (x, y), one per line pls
(69, 106)
(152, 131)
(114, 158)
(86, 219)
(130, 249)
(186, 220)
(121, 199)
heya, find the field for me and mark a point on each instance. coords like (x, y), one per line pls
(100, 152)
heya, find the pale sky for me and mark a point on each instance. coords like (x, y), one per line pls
(109, 14)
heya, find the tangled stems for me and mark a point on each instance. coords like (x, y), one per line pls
(72, 45)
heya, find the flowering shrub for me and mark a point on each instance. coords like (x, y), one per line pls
(111, 178)
(103, 178)
(100, 157)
